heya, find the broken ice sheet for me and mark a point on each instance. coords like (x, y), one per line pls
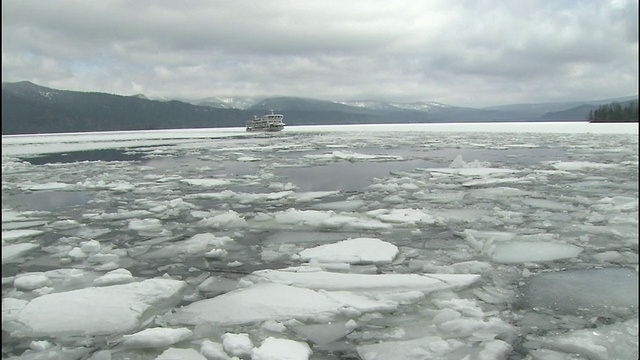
(608, 292)
(530, 251)
(15, 251)
(434, 347)
(15, 235)
(323, 334)
(317, 279)
(615, 341)
(149, 219)
(92, 311)
(312, 296)
(353, 251)
(260, 302)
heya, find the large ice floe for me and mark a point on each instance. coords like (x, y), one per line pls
(345, 242)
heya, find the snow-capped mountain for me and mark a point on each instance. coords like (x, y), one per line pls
(28, 108)
(425, 106)
(232, 102)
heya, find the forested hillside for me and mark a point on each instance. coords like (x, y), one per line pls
(615, 112)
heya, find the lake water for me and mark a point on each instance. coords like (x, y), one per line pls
(211, 209)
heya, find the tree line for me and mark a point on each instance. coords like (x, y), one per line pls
(615, 112)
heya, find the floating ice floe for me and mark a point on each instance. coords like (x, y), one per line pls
(256, 303)
(281, 349)
(472, 241)
(104, 310)
(247, 158)
(18, 216)
(352, 156)
(151, 224)
(440, 197)
(322, 334)
(64, 224)
(487, 235)
(225, 220)
(30, 281)
(120, 214)
(244, 198)
(313, 278)
(347, 205)
(497, 192)
(589, 292)
(117, 276)
(239, 345)
(14, 235)
(434, 347)
(205, 244)
(531, 251)
(304, 237)
(547, 204)
(228, 195)
(312, 296)
(155, 337)
(180, 354)
(15, 251)
(213, 350)
(406, 216)
(496, 181)
(472, 171)
(115, 186)
(314, 219)
(47, 186)
(578, 165)
(353, 251)
(207, 183)
(614, 341)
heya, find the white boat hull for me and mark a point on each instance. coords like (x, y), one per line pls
(266, 123)
(274, 129)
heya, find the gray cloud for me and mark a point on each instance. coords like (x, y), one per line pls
(471, 53)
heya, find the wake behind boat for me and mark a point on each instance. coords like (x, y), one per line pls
(268, 122)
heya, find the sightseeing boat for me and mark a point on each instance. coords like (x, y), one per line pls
(268, 122)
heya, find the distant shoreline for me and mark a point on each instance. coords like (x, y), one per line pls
(34, 144)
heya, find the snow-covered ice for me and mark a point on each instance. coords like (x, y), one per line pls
(93, 311)
(281, 349)
(13, 251)
(530, 251)
(156, 337)
(411, 241)
(368, 283)
(260, 302)
(353, 251)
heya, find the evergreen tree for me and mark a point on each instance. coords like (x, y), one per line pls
(615, 112)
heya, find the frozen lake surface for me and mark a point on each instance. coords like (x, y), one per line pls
(441, 241)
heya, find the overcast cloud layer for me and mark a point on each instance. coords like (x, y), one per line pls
(466, 53)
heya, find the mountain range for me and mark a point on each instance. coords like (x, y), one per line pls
(28, 108)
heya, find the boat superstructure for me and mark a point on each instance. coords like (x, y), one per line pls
(268, 122)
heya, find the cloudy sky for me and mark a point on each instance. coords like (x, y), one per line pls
(457, 52)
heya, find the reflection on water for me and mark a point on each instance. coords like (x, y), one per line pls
(577, 299)
(218, 167)
(79, 156)
(189, 162)
(346, 175)
(353, 176)
(596, 292)
(46, 200)
(496, 156)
